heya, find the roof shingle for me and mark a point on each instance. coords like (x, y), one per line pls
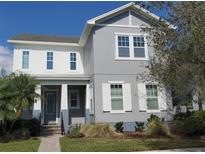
(46, 38)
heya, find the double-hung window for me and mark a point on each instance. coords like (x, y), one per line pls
(131, 47)
(139, 46)
(25, 60)
(73, 61)
(152, 97)
(74, 99)
(123, 46)
(49, 60)
(116, 97)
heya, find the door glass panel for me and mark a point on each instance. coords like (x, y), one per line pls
(50, 103)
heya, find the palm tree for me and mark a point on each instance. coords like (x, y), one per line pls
(18, 92)
(6, 109)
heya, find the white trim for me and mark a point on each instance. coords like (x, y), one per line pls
(43, 43)
(150, 110)
(22, 60)
(93, 20)
(123, 26)
(76, 62)
(132, 34)
(131, 47)
(78, 99)
(116, 82)
(53, 68)
(123, 102)
(130, 18)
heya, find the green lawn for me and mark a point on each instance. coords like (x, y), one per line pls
(20, 146)
(116, 145)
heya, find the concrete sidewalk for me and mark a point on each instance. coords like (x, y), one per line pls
(50, 144)
(202, 149)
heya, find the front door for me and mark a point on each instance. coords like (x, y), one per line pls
(50, 107)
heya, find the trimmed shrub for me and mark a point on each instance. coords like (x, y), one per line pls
(99, 131)
(177, 127)
(119, 127)
(139, 126)
(33, 126)
(153, 117)
(190, 126)
(199, 114)
(182, 116)
(22, 133)
(75, 132)
(155, 127)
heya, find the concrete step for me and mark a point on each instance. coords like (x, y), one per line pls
(50, 126)
(50, 129)
(49, 134)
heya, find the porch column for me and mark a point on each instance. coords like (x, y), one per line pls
(87, 112)
(64, 106)
(37, 104)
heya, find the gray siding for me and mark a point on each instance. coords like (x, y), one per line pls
(88, 56)
(107, 68)
(104, 52)
(121, 19)
(133, 116)
(138, 20)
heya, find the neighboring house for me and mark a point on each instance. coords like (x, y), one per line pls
(93, 78)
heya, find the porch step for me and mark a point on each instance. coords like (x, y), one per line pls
(51, 129)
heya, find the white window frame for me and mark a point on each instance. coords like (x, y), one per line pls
(131, 47)
(49, 60)
(23, 60)
(149, 110)
(117, 83)
(78, 99)
(69, 61)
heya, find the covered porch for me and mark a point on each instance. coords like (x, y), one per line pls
(63, 103)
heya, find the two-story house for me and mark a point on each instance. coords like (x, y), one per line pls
(93, 78)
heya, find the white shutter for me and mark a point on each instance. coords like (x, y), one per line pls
(106, 94)
(142, 97)
(162, 99)
(127, 98)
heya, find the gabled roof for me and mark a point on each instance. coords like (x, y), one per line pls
(59, 40)
(119, 9)
(90, 23)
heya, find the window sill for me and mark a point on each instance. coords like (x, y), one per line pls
(117, 112)
(25, 70)
(153, 111)
(50, 70)
(73, 71)
(131, 59)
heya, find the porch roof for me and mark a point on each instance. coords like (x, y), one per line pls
(62, 77)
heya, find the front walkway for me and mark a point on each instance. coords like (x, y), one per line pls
(202, 149)
(50, 143)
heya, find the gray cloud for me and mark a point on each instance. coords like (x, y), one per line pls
(5, 58)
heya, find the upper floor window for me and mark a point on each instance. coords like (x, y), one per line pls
(25, 60)
(131, 47)
(139, 46)
(152, 97)
(116, 97)
(72, 61)
(49, 60)
(123, 46)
